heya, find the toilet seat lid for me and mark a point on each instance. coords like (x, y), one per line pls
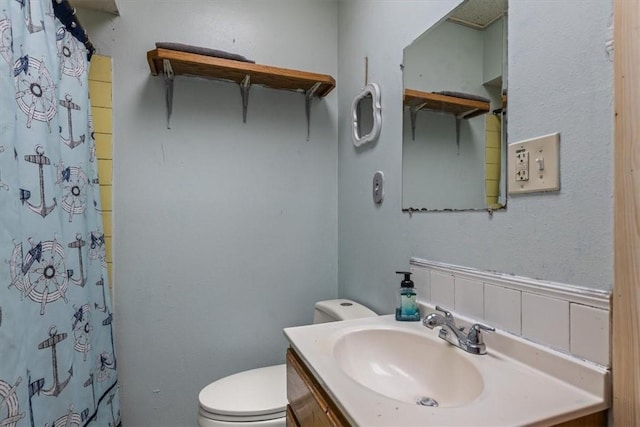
(259, 394)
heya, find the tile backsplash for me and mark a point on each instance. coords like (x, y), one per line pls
(545, 320)
(568, 318)
(503, 308)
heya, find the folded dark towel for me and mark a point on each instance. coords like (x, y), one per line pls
(463, 95)
(202, 51)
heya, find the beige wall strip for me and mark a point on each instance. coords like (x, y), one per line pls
(626, 289)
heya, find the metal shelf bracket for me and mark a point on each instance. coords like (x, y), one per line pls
(413, 112)
(459, 119)
(245, 85)
(307, 105)
(168, 87)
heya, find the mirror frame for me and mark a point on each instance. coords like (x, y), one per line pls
(372, 90)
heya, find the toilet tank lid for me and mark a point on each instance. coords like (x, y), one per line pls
(344, 309)
(259, 391)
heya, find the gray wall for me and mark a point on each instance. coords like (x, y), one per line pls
(225, 233)
(560, 80)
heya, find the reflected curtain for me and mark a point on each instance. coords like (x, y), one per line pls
(57, 356)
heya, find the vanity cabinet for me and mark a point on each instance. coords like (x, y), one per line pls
(310, 405)
(599, 419)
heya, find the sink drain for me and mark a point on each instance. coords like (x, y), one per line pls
(426, 401)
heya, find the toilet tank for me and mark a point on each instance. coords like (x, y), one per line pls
(340, 309)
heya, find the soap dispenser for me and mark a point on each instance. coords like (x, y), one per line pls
(407, 309)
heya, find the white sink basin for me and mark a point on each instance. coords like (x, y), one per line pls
(375, 369)
(409, 367)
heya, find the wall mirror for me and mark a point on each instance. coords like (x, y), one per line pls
(454, 112)
(366, 115)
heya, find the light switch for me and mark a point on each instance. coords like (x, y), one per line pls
(533, 165)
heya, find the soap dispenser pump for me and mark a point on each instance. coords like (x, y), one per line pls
(407, 309)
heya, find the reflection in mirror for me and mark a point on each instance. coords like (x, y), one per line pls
(454, 119)
(364, 111)
(366, 116)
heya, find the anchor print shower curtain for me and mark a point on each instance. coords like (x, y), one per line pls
(57, 357)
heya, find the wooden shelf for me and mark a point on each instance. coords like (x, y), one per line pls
(171, 63)
(191, 64)
(460, 107)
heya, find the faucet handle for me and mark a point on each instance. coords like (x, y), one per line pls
(475, 335)
(475, 343)
(447, 313)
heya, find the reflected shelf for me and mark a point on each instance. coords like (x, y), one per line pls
(463, 108)
(459, 106)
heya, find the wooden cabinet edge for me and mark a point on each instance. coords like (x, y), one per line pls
(598, 419)
(292, 421)
(310, 404)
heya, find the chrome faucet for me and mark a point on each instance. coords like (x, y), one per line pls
(471, 342)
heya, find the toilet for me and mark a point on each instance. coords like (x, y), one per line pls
(258, 397)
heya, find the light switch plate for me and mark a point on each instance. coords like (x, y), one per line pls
(533, 165)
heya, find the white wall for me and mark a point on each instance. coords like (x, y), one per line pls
(225, 233)
(560, 80)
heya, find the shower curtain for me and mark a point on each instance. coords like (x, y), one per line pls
(57, 356)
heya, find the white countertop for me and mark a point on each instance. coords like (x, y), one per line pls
(524, 383)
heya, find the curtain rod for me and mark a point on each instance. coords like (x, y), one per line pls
(67, 15)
